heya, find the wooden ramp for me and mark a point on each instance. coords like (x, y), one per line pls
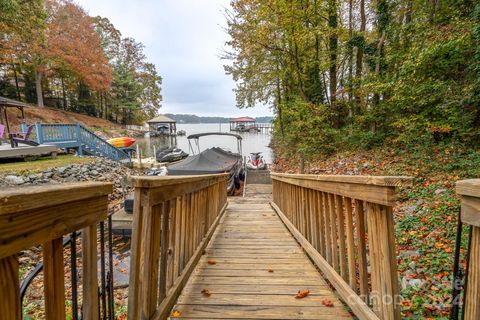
(253, 269)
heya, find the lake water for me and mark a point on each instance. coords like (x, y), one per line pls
(251, 142)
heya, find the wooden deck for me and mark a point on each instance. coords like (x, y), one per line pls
(253, 269)
(23, 150)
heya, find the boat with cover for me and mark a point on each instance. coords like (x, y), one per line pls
(212, 160)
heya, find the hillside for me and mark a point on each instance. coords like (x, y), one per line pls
(51, 115)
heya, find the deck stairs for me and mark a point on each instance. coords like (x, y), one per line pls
(77, 136)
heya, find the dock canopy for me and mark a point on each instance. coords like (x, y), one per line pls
(243, 119)
(162, 124)
(240, 124)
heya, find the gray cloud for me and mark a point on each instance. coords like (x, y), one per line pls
(184, 40)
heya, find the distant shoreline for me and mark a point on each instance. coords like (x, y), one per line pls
(193, 119)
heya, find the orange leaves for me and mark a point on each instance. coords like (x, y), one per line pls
(302, 294)
(206, 292)
(327, 303)
(176, 313)
(212, 262)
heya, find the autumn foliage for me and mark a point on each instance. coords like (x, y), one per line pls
(53, 53)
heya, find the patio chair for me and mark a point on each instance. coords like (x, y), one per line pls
(2, 132)
(22, 137)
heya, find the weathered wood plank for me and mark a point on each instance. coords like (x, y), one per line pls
(390, 181)
(89, 273)
(54, 284)
(10, 288)
(24, 229)
(28, 198)
(380, 194)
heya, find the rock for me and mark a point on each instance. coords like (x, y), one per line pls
(11, 179)
(420, 202)
(62, 170)
(71, 179)
(48, 174)
(440, 191)
(94, 173)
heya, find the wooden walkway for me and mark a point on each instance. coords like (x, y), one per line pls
(253, 268)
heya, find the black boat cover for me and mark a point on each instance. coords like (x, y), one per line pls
(213, 160)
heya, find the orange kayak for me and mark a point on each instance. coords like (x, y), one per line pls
(121, 142)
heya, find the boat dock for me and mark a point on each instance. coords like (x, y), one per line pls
(304, 247)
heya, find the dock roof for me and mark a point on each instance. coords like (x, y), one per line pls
(243, 119)
(161, 119)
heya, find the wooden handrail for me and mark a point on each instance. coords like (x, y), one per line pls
(332, 217)
(469, 191)
(34, 216)
(174, 217)
(386, 181)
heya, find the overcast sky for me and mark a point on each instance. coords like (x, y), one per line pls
(184, 39)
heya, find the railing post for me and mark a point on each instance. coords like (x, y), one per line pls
(469, 191)
(79, 140)
(10, 288)
(383, 262)
(38, 131)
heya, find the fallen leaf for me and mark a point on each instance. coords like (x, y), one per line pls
(176, 313)
(270, 270)
(302, 294)
(327, 303)
(206, 293)
(212, 262)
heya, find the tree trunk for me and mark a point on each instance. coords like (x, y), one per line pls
(17, 88)
(350, 60)
(64, 96)
(333, 46)
(359, 63)
(38, 87)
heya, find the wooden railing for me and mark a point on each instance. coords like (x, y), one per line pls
(345, 224)
(67, 135)
(174, 217)
(469, 191)
(35, 216)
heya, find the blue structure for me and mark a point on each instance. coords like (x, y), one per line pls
(76, 136)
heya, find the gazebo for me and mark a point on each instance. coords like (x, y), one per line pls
(241, 124)
(162, 125)
(6, 103)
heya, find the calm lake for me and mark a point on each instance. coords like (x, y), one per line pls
(251, 142)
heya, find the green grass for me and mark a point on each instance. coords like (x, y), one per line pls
(35, 166)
